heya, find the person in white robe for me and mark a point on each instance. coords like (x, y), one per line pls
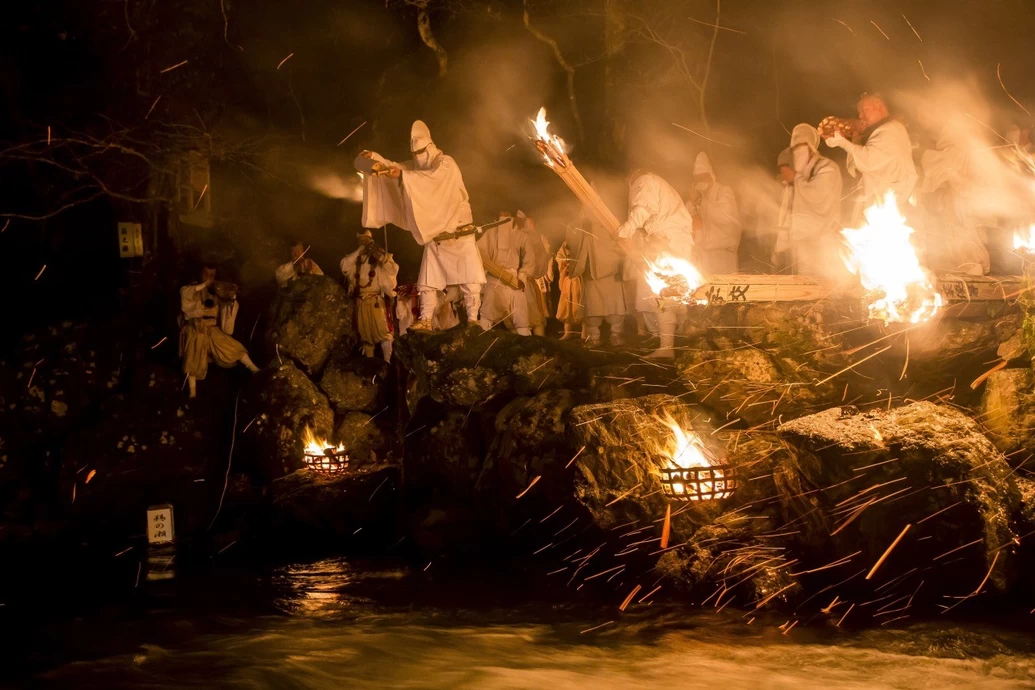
(955, 234)
(781, 257)
(882, 155)
(427, 197)
(508, 261)
(539, 266)
(207, 317)
(815, 219)
(300, 265)
(716, 221)
(598, 261)
(407, 309)
(658, 224)
(570, 307)
(370, 278)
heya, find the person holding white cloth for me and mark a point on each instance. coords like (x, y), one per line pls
(815, 219)
(427, 196)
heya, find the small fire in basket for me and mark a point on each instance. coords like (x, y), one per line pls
(693, 474)
(674, 278)
(321, 456)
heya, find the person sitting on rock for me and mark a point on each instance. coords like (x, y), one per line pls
(208, 312)
(300, 265)
(370, 276)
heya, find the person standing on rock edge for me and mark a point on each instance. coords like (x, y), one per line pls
(598, 262)
(569, 305)
(370, 277)
(300, 265)
(427, 196)
(208, 312)
(508, 259)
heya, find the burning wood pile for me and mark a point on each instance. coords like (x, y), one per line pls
(693, 473)
(320, 456)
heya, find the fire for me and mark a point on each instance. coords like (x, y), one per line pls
(318, 446)
(671, 276)
(691, 475)
(1024, 240)
(321, 456)
(684, 449)
(884, 258)
(550, 145)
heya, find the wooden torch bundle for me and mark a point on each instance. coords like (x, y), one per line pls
(829, 125)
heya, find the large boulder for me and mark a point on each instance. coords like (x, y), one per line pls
(354, 384)
(309, 318)
(363, 437)
(276, 408)
(1008, 411)
(466, 366)
(862, 479)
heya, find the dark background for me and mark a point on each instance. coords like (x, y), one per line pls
(94, 67)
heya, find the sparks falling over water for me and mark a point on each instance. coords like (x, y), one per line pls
(881, 253)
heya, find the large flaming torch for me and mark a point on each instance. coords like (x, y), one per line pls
(898, 288)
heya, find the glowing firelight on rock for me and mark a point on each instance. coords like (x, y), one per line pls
(881, 254)
(671, 276)
(550, 145)
(691, 475)
(1024, 240)
(321, 456)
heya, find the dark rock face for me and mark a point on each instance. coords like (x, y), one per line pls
(362, 437)
(867, 476)
(282, 401)
(308, 319)
(354, 510)
(467, 366)
(1008, 410)
(354, 384)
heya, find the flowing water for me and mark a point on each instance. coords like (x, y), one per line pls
(336, 624)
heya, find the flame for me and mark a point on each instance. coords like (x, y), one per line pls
(687, 456)
(318, 446)
(684, 449)
(551, 145)
(671, 276)
(1024, 240)
(884, 258)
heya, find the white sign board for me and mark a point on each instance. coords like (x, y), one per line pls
(160, 524)
(131, 240)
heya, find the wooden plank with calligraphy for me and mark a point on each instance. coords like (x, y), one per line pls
(740, 288)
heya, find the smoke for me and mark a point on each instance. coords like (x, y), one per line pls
(334, 185)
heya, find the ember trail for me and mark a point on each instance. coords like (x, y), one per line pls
(525, 324)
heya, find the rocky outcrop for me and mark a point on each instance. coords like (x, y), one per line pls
(363, 438)
(1008, 411)
(310, 317)
(354, 384)
(280, 403)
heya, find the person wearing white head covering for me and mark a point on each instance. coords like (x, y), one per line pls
(539, 267)
(426, 196)
(508, 258)
(597, 260)
(716, 221)
(815, 221)
(660, 222)
(370, 278)
(882, 156)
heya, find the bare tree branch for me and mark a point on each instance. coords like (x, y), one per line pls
(426, 35)
(572, 100)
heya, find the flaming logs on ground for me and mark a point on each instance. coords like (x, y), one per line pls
(674, 278)
(1024, 240)
(321, 456)
(692, 474)
(899, 289)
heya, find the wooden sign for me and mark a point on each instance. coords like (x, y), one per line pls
(160, 529)
(742, 288)
(131, 240)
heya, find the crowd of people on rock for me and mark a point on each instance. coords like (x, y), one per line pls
(502, 274)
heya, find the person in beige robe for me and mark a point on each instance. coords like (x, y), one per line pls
(206, 330)
(570, 309)
(370, 277)
(300, 265)
(508, 260)
(539, 266)
(599, 262)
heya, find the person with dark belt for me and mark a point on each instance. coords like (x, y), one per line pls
(370, 275)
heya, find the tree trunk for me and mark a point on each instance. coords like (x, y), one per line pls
(614, 48)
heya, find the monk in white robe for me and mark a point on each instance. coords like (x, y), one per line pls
(539, 266)
(716, 221)
(370, 277)
(427, 197)
(570, 308)
(300, 265)
(881, 155)
(659, 224)
(815, 221)
(599, 262)
(508, 260)
(407, 309)
(206, 330)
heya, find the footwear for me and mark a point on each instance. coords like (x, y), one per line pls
(570, 335)
(617, 340)
(422, 326)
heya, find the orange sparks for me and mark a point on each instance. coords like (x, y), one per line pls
(923, 70)
(666, 530)
(628, 599)
(880, 30)
(888, 552)
(602, 625)
(4, 229)
(91, 475)
(999, 74)
(178, 64)
(574, 457)
(845, 616)
(40, 273)
(351, 133)
(791, 627)
(198, 202)
(48, 135)
(159, 342)
(844, 25)
(281, 64)
(529, 488)
(73, 493)
(915, 32)
(987, 575)
(152, 107)
(772, 596)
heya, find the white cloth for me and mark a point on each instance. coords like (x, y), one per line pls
(383, 282)
(718, 241)
(884, 162)
(508, 247)
(656, 206)
(598, 260)
(950, 192)
(285, 273)
(420, 135)
(805, 134)
(426, 201)
(703, 164)
(192, 304)
(815, 221)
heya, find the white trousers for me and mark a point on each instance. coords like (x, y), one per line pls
(472, 297)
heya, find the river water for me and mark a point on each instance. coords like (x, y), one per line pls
(338, 624)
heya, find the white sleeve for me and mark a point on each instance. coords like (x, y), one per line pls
(228, 317)
(191, 304)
